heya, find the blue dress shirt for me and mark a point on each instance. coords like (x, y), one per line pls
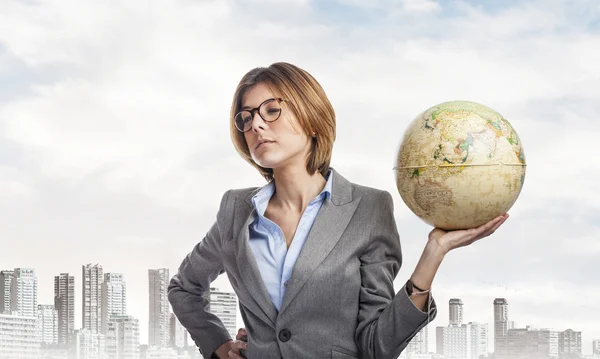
(275, 261)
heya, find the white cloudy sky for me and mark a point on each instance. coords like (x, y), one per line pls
(114, 144)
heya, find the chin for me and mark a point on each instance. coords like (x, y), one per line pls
(268, 161)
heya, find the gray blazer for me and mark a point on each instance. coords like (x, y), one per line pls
(339, 301)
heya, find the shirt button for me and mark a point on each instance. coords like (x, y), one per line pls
(285, 284)
(285, 335)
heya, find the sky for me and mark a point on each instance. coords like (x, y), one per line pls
(115, 147)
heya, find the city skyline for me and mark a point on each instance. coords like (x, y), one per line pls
(107, 330)
(226, 301)
(115, 143)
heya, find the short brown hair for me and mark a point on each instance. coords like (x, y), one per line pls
(307, 101)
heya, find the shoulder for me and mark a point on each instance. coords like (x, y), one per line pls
(346, 190)
(235, 195)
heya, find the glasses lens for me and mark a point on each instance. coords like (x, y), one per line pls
(243, 121)
(270, 111)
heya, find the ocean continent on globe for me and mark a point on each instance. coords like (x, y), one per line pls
(460, 164)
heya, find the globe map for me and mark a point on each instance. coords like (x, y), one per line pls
(459, 165)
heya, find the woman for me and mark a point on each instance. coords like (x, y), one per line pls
(311, 256)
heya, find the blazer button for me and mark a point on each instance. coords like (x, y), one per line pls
(285, 335)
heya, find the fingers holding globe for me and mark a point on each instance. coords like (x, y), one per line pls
(460, 164)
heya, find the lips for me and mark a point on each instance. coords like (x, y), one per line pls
(262, 142)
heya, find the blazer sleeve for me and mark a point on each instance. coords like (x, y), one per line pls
(386, 322)
(187, 288)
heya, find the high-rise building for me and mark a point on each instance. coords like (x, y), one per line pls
(465, 341)
(455, 342)
(91, 313)
(19, 337)
(569, 344)
(23, 301)
(47, 325)
(83, 344)
(178, 334)
(419, 344)
(500, 328)
(6, 277)
(224, 306)
(64, 303)
(527, 343)
(456, 311)
(478, 334)
(159, 328)
(123, 338)
(114, 298)
(596, 347)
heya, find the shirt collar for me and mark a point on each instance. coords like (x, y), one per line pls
(261, 199)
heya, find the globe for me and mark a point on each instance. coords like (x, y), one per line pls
(459, 165)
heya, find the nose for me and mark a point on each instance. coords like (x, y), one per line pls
(258, 122)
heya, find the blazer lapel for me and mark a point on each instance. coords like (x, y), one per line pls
(331, 221)
(246, 262)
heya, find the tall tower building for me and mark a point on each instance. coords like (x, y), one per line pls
(159, 328)
(456, 311)
(48, 324)
(596, 347)
(529, 343)
(114, 298)
(569, 344)
(468, 341)
(23, 299)
(123, 338)
(6, 277)
(178, 333)
(84, 344)
(19, 337)
(419, 344)
(64, 303)
(91, 317)
(500, 328)
(224, 306)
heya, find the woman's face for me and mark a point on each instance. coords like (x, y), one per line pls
(274, 144)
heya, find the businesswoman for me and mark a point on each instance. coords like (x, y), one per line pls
(310, 255)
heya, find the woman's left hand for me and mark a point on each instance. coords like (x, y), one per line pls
(446, 241)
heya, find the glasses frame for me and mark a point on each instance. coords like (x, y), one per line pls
(254, 110)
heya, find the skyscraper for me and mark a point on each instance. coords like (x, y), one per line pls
(419, 344)
(23, 301)
(114, 298)
(123, 337)
(596, 347)
(529, 343)
(91, 317)
(224, 306)
(465, 341)
(477, 333)
(178, 333)
(64, 303)
(5, 285)
(83, 344)
(48, 324)
(569, 344)
(19, 337)
(159, 328)
(456, 311)
(500, 328)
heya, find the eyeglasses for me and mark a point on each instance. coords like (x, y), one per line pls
(269, 111)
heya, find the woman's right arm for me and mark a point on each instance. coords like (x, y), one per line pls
(186, 289)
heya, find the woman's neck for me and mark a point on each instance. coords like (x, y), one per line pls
(295, 188)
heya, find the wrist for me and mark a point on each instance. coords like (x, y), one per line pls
(434, 251)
